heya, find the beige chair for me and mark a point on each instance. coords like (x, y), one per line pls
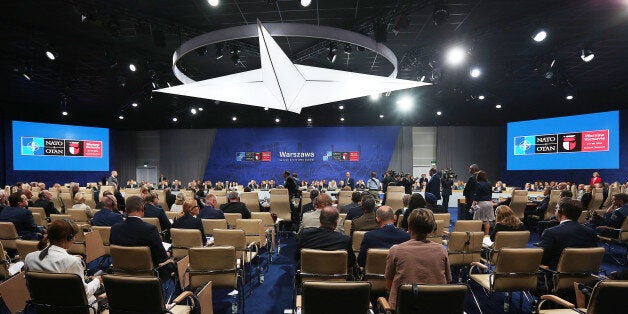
(220, 199)
(253, 230)
(315, 298)
(356, 241)
(232, 219)
(216, 265)
(183, 240)
(5, 264)
(66, 199)
(25, 246)
(210, 224)
(278, 192)
(105, 233)
(574, 191)
(519, 202)
(608, 296)
(39, 220)
(437, 235)
(172, 215)
(576, 265)
(8, 235)
(396, 189)
(515, 270)
(89, 198)
(468, 225)
(122, 296)
(347, 227)
(463, 248)
(280, 205)
(319, 265)
(622, 239)
(134, 261)
(374, 270)
(506, 239)
(597, 199)
(217, 193)
(394, 199)
(237, 239)
(427, 298)
(554, 198)
(67, 296)
(446, 218)
(161, 195)
(155, 222)
(78, 216)
(55, 217)
(104, 188)
(251, 199)
(400, 219)
(270, 228)
(38, 210)
(609, 199)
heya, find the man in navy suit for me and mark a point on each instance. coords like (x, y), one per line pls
(21, 217)
(349, 181)
(135, 232)
(106, 215)
(354, 208)
(433, 185)
(210, 211)
(469, 190)
(384, 237)
(569, 233)
(45, 202)
(151, 210)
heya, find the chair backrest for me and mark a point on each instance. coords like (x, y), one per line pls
(217, 193)
(413, 298)
(216, 264)
(131, 190)
(266, 217)
(105, 233)
(104, 188)
(577, 265)
(24, 247)
(39, 219)
(78, 216)
(131, 260)
(253, 230)
(355, 297)
(66, 199)
(395, 189)
(518, 202)
(347, 227)
(399, 220)
(394, 199)
(554, 198)
(55, 217)
(374, 269)
(445, 217)
(251, 199)
(66, 296)
(574, 191)
(89, 198)
(608, 296)
(278, 192)
(221, 199)
(184, 239)
(609, 199)
(516, 269)
(79, 245)
(356, 240)
(319, 265)
(230, 237)
(232, 219)
(8, 235)
(280, 205)
(38, 210)
(597, 198)
(464, 247)
(623, 234)
(210, 224)
(153, 221)
(4, 265)
(437, 235)
(122, 294)
(468, 225)
(161, 195)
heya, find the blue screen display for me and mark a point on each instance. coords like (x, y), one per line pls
(589, 141)
(55, 147)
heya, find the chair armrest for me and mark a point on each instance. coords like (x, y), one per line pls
(557, 300)
(544, 267)
(162, 264)
(480, 265)
(182, 296)
(383, 303)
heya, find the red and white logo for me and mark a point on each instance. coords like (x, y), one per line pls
(569, 142)
(74, 148)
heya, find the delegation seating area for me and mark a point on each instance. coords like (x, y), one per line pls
(244, 261)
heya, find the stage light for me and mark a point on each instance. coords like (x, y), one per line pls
(193, 110)
(341, 107)
(201, 108)
(219, 53)
(405, 104)
(277, 120)
(438, 113)
(569, 97)
(381, 116)
(174, 119)
(540, 36)
(234, 118)
(305, 3)
(64, 113)
(587, 55)
(121, 117)
(25, 75)
(309, 119)
(134, 104)
(266, 108)
(213, 3)
(51, 55)
(455, 56)
(498, 106)
(475, 72)
(375, 96)
(132, 67)
(481, 97)
(342, 119)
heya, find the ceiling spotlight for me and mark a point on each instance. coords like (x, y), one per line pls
(569, 97)
(266, 108)
(132, 67)
(154, 83)
(381, 116)
(540, 36)
(422, 78)
(51, 55)
(26, 76)
(342, 119)
(134, 104)
(455, 56)
(309, 119)
(174, 119)
(193, 110)
(498, 106)
(481, 97)
(200, 108)
(235, 57)
(405, 104)
(331, 56)
(587, 55)
(305, 3)
(234, 118)
(475, 72)
(64, 113)
(348, 49)
(219, 53)
(213, 3)
(277, 120)
(341, 107)
(121, 117)
(375, 96)
(438, 113)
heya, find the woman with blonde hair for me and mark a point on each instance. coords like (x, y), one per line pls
(178, 203)
(506, 221)
(187, 218)
(79, 203)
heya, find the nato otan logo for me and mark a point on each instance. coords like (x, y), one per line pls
(524, 145)
(32, 145)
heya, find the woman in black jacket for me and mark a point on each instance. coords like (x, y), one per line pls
(483, 201)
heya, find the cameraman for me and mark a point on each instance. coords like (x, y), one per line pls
(446, 183)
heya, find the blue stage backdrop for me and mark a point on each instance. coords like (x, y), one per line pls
(313, 153)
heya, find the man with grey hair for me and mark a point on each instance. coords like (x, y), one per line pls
(234, 205)
(312, 219)
(45, 201)
(367, 221)
(383, 237)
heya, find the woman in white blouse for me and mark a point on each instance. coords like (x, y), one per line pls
(178, 203)
(54, 258)
(79, 203)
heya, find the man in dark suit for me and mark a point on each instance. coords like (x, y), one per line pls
(569, 233)
(234, 205)
(152, 210)
(407, 183)
(348, 181)
(423, 180)
(354, 209)
(135, 232)
(325, 238)
(367, 221)
(310, 206)
(383, 237)
(45, 202)
(469, 189)
(108, 215)
(21, 217)
(433, 185)
(162, 177)
(209, 211)
(446, 184)
(289, 184)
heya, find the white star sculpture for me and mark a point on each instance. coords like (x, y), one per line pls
(281, 84)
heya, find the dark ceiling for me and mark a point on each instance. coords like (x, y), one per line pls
(90, 75)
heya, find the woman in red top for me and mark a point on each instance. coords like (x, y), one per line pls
(596, 179)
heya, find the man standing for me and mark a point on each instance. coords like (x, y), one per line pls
(469, 190)
(433, 185)
(21, 217)
(407, 183)
(446, 184)
(383, 237)
(422, 181)
(113, 179)
(45, 202)
(289, 184)
(348, 181)
(373, 185)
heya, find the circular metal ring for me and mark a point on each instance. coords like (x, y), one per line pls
(280, 29)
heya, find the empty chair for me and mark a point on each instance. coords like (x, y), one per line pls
(351, 297)
(554, 198)
(468, 225)
(278, 192)
(446, 218)
(78, 216)
(280, 205)
(216, 265)
(8, 235)
(347, 227)
(356, 241)
(54, 217)
(24, 247)
(607, 297)
(155, 222)
(105, 232)
(58, 293)
(251, 199)
(66, 200)
(463, 248)
(415, 298)
(122, 296)
(506, 239)
(519, 202)
(576, 265)
(437, 235)
(39, 219)
(394, 199)
(269, 226)
(237, 239)
(253, 231)
(38, 210)
(184, 239)
(210, 224)
(374, 270)
(319, 265)
(232, 219)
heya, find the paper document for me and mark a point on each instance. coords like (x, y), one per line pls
(487, 241)
(15, 268)
(166, 245)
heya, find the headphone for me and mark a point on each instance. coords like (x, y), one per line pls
(111, 200)
(70, 236)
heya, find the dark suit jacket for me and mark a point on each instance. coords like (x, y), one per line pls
(381, 238)
(349, 182)
(48, 206)
(190, 222)
(152, 211)
(469, 189)
(135, 232)
(209, 212)
(446, 183)
(500, 227)
(236, 207)
(542, 207)
(567, 234)
(586, 199)
(433, 186)
(354, 212)
(307, 208)
(407, 185)
(324, 239)
(291, 186)
(106, 217)
(23, 221)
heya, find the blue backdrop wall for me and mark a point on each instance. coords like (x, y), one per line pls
(314, 153)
